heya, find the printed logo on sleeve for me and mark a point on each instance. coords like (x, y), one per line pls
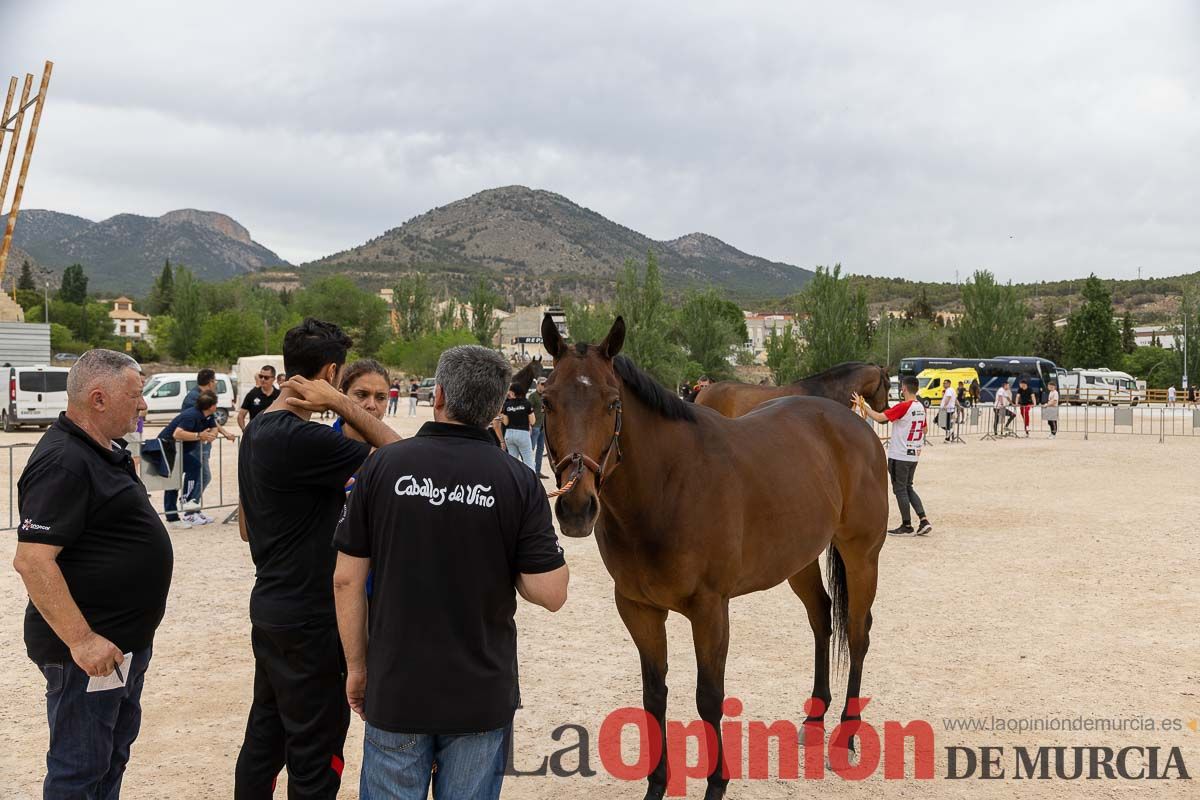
(30, 525)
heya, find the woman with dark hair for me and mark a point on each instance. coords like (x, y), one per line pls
(366, 383)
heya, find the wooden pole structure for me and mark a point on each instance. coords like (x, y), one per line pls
(12, 92)
(30, 140)
(16, 136)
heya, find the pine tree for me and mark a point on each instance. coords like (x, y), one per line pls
(994, 322)
(1128, 338)
(1047, 340)
(162, 295)
(26, 282)
(1093, 339)
(74, 285)
(921, 309)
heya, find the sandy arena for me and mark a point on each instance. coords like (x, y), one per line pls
(1059, 582)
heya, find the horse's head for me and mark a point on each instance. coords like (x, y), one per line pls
(582, 403)
(529, 373)
(878, 397)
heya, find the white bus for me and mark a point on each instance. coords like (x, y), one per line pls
(1099, 387)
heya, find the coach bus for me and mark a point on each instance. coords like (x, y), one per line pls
(992, 371)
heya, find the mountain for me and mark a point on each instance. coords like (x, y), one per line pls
(126, 252)
(535, 242)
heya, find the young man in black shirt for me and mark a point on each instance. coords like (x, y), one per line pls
(259, 398)
(517, 417)
(453, 529)
(292, 475)
(96, 562)
(1025, 401)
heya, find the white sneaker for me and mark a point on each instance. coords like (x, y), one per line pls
(180, 525)
(196, 519)
(190, 505)
(207, 519)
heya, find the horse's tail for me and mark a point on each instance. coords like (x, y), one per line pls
(840, 599)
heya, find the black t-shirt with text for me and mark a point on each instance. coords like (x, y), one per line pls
(292, 476)
(448, 521)
(116, 556)
(518, 410)
(257, 401)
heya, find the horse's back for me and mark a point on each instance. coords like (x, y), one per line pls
(734, 399)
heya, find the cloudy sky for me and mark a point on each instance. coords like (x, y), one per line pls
(1038, 139)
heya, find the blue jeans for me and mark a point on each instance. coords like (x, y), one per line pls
(90, 734)
(539, 445)
(520, 446)
(400, 765)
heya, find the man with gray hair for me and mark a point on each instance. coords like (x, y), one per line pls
(442, 646)
(96, 562)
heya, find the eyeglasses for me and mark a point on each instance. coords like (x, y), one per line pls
(266, 377)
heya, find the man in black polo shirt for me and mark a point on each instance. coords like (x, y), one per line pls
(292, 475)
(451, 527)
(96, 562)
(259, 398)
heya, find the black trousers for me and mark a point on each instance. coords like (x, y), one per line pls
(902, 473)
(299, 716)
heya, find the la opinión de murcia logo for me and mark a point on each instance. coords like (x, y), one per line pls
(30, 525)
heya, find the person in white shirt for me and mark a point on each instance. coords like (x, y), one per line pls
(946, 409)
(903, 450)
(1000, 409)
(1052, 402)
(1171, 396)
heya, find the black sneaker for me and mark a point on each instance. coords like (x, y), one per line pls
(924, 527)
(904, 530)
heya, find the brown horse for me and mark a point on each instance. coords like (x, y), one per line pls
(733, 399)
(691, 508)
(526, 375)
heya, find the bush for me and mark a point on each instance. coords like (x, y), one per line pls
(420, 356)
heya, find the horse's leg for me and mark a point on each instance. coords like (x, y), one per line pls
(710, 633)
(809, 587)
(862, 575)
(648, 627)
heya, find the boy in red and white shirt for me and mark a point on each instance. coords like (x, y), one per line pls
(904, 448)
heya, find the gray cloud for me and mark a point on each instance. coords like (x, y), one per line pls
(1041, 140)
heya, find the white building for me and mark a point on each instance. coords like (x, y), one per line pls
(127, 322)
(759, 328)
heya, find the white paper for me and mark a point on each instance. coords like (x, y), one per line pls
(115, 679)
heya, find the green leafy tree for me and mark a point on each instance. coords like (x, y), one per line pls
(228, 335)
(920, 309)
(1092, 338)
(784, 354)
(162, 293)
(1128, 337)
(587, 322)
(188, 313)
(412, 301)
(709, 327)
(834, 323)
(1189, 309)
(995, 321)
(1157, 367)
(452, 314)
(484, 324)
(420, 356)
(648, 322)
(363, 315)
(74, 285)
(1047, 339)
(896, 339)
(26, 281)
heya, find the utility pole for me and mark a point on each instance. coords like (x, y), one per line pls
(46, 304)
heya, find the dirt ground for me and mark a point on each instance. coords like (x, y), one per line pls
(1059, 583)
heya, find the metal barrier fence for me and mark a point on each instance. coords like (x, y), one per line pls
(983, 422)
(14, 457)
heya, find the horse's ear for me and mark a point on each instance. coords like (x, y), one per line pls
(551, 339)
(614, 340)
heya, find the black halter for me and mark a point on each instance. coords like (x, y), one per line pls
(580, 461)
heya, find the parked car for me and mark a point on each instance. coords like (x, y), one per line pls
(165, 391)
(68, 357)
(36, 396)
(425, 391)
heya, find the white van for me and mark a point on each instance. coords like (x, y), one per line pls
(165, 391)
(36, 396)
(1098, 387)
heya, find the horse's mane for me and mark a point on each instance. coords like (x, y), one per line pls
(836, 371)
(660, 399)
